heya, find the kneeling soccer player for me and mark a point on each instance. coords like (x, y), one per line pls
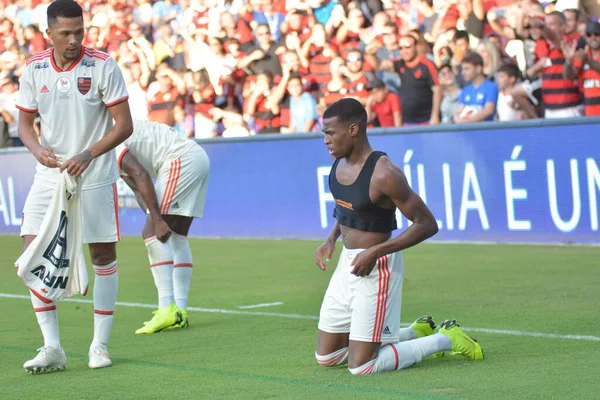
(181, 169)
(359, 322)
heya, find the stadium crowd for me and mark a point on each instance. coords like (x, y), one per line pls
(243, 67)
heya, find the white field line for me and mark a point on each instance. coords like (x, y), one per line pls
(314, 317)
(277, 303)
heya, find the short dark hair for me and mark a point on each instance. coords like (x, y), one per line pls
(560, 16)
(473, 59)
(511, 70)
(461, 35)
(348, 111)
(63, 9)
(573, 10)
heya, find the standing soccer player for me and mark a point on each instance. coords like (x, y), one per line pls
(77, 92)
(359, 321)
(181, 169)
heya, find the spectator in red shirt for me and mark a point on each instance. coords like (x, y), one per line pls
(383, 106)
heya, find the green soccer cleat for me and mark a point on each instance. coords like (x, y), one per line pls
(462, 343)
(163, 318)
(425, 326)
(184, 323)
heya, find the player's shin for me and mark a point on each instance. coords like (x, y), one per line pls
(160, 256)
(47, 318)
(105, 296)
(404, 354)
(182, 269)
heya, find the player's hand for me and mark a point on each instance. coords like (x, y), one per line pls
(324, 251)
(47, 157)
(363, 263)
(78, 164)
(162, 230)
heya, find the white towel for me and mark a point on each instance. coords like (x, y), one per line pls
(53, 266)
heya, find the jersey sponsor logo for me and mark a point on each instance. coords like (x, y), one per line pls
(88, 63)
(386, 330)
(63, 85)
(591, 84)
(175, 205)
(84, 84)
(344, 204)
(44, 89)
(418, 74)
(41, 65)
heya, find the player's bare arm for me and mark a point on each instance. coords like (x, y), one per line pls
(122, 129)
(30, 139)
(391, 185)
(327, 249)
(142, 184)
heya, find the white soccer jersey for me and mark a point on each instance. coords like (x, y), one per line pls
(154, 144)
(74, 108)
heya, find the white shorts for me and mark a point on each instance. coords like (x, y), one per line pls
(569, 112)
(99, 212)
(366, 307)
(182, 182)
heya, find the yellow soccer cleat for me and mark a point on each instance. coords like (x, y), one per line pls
(462, 343)
(163, 318)
(425, 326)
(184, 323)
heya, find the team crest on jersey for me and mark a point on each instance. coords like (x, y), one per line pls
(63, 85)
(84, 84)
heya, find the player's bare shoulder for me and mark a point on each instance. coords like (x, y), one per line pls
(388, 178)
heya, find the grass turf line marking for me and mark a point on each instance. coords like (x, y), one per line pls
(251, 377)
(277, 303)
(314, 317)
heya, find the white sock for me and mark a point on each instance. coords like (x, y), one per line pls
(161, 265)
(182, 269)
(407, 334)
(404, 354)
(105, 296)
(331, 360)
(47, 317)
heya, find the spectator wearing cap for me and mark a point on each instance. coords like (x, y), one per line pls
(420, 92)
(477, 100)
(383, 106)
(584, 65)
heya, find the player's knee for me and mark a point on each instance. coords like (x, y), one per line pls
(363, 369)
(331, 360)
(103, 253)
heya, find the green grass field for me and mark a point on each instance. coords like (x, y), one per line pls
(495, 289)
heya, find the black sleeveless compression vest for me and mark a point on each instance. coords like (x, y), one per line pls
(353, 207)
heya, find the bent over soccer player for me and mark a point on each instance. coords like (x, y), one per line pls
(181, 168)
(359, 321)
(78, 92)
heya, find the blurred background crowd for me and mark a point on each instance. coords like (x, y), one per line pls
(243, 67)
